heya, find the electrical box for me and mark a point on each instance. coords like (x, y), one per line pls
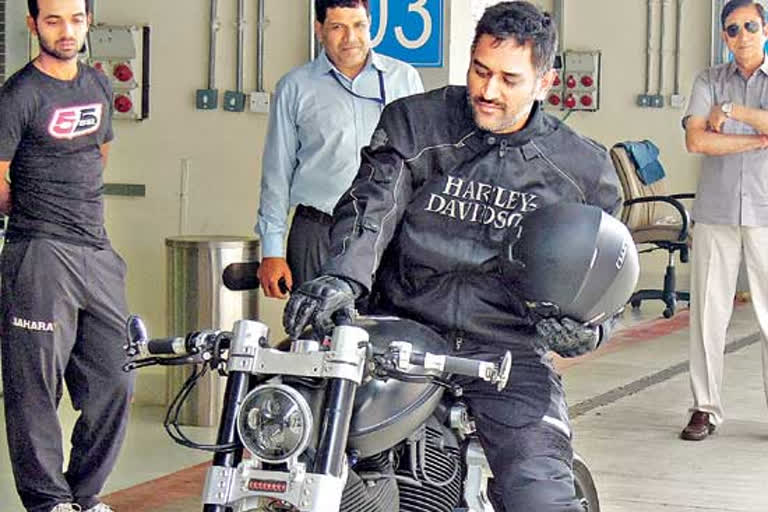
(577, 86)
(582, 80)
(122, 53)
(234, 101)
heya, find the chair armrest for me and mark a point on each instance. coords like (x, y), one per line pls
(685, 195)
(669, 200)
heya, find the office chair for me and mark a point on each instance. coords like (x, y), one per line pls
(654, 217)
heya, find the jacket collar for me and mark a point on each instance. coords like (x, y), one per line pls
(535, 127)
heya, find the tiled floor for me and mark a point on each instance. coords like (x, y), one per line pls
(629, 401)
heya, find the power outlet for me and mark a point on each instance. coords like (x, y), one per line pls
(260, 102)
(677, 100)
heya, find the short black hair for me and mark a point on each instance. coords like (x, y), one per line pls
(524, 22)
(732, 5)
(34, 9)
(322, 6)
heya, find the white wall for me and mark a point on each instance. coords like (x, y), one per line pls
(224, 149)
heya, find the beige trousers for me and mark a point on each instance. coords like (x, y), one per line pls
(716, 256)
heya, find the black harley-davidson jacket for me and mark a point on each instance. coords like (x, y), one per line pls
(433, 199)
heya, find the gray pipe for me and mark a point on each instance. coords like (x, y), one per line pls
(678, 44)
(212, 44)
(240, 44)
(648, 46)
(261, 22)
(559, 9)
(663, 24)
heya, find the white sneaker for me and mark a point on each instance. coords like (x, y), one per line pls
(101, 507)
(67, 507)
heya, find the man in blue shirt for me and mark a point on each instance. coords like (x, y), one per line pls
(323, 114)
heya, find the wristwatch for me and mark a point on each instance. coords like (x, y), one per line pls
(727, 108)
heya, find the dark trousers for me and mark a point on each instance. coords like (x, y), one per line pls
(526, 435)
(63, 314)
(309, 242)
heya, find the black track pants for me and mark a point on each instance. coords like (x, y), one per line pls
(526, 434)
(63, 314)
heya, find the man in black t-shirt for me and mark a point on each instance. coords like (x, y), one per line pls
(63, 286)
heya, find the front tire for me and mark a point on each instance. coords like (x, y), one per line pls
(586, 492)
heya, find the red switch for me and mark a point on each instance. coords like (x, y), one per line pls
(570, 101)
(554, 99)
(587, 81)
(557, 81)
(123, 104)
(570, 82)
(123, 72)
(586, 100)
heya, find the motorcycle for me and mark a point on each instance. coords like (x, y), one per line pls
(367, 420)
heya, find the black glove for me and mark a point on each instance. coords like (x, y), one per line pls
(567, 337)
(316, 301)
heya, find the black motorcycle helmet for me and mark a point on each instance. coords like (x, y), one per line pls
(575, 256)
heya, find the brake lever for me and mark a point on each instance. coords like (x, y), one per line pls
(141, 363)
(165, 361)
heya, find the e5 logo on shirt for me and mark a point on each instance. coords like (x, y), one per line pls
(72, 122)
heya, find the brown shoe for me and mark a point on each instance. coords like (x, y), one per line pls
(698, 428)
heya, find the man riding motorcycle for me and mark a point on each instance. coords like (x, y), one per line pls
(447, 175)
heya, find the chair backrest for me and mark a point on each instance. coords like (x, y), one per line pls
(640, 215)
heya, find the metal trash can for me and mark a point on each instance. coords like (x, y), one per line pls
(198, 299)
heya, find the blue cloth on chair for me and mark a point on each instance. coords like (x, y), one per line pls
(645, 154)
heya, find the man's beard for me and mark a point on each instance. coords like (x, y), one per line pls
(51, 50)
(500, 124)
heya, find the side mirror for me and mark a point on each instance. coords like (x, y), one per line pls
(136, 335)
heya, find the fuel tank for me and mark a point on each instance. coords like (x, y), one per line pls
(385, 413)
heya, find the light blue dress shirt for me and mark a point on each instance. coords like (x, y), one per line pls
(319, 122)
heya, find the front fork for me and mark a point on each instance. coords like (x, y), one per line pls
(331, 451)
(238, 385)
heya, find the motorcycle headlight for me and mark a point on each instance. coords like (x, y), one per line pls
(274, 423)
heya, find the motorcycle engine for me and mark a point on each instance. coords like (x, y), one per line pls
(422, 474)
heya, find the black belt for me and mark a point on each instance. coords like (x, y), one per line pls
(313, 214)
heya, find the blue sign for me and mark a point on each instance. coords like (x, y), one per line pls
(409, 30)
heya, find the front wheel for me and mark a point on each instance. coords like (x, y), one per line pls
(586, 492)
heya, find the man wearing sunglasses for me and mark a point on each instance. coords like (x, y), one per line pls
(727, 121)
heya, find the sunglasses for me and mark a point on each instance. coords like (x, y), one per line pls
(733, 29)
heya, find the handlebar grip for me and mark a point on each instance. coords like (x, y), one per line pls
(454, 365)
(165, 346)
(464, 366)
